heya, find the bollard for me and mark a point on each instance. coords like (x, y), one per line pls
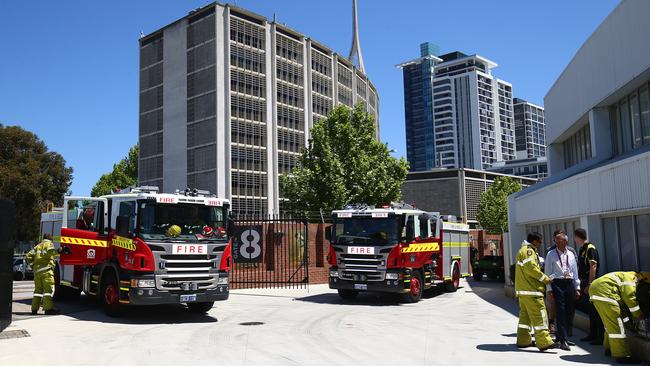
(7, 212)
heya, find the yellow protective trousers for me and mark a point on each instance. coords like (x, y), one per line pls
(615, 339)
(43, 289)
(532, 317)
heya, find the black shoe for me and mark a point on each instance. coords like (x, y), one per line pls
(627, 360)
(34, 312)
(597, 342)
(564, 346)
(550, 346)
(587, 339)
(570, 343)
(52, 312)
(608, 352)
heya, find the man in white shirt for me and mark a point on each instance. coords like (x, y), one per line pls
(561, 266)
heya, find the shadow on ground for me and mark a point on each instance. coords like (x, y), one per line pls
(87, 309)
(366, 298)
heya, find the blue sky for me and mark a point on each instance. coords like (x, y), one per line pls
(69, 69)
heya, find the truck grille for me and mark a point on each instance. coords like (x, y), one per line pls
(359, 267)
(181, 270)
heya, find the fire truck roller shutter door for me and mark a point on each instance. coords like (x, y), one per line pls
(446, 255)
(464, 253)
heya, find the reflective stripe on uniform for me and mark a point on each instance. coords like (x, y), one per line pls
(618, 280)
(604, 299)
(541, 279)
(48, 295)
(529, 293)
(38, 295)
(524, 326)
(635, 309)
(544, 318)
(525, 261)
(42, 269)
(541, 327)
(617, 336)
(626, 319)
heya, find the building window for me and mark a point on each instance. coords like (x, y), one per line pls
(630, 121)
(627, 240)
(577, 148)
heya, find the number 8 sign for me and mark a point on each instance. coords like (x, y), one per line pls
(247, 244)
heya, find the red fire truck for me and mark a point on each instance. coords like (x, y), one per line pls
(142, 247)
(395, 248)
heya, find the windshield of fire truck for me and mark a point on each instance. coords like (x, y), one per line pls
(195, 221)
(365, 231)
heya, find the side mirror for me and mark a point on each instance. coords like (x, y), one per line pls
(230, 228)
(122, 226)
(328, 233)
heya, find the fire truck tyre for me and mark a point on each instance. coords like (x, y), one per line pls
(452, 286)
(348, 294)
(478, 275)
(200, 307)
(493, 275)
(66, 293)
(110, 295)
(416, 286)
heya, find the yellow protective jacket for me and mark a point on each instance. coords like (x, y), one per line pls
(42, 257)
(530, 280)
(616, 288)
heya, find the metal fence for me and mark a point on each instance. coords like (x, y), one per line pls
(270, 252)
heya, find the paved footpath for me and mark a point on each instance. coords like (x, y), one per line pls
(474, 326)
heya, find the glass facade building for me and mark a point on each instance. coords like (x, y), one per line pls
(530, 129)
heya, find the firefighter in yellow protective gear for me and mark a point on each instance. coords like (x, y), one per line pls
(42, 259)
(530, 284)
(613, 295)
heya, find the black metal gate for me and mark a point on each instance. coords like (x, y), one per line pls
(270, 252)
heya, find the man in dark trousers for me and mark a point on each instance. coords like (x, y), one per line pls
(561, 266)
(588, 265)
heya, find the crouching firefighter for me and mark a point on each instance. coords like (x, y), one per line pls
(42, 259)
(530, 284)
(615, 296)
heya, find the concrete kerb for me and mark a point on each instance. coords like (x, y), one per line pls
(640, 346)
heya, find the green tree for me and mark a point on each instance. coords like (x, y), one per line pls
(343, 164)
(31, 176)
(124, 174)
(493, 206)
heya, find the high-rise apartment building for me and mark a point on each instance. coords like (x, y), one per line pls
(227, 99)
(472, 112)
(530, 129)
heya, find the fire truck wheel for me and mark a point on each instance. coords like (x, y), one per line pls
(478, 275)
(416, 287)
(348, 294)
(452, 286)
(110, 295)
(200, 307)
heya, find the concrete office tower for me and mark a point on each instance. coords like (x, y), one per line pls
(227, 99)
(473, 123)
(530, 129)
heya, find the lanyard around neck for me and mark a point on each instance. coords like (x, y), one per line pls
(560, 258)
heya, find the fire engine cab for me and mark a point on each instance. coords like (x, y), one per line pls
(395, 248)
(142, 247)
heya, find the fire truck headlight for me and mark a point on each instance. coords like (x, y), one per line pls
(334, 273)
(392, 276)
(222, 281)
(146, 283)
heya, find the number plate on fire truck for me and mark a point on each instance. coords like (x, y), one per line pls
(188, 298)
(361, 250)
(360, 286)
(189, 249)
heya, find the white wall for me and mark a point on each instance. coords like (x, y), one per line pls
(614, 54)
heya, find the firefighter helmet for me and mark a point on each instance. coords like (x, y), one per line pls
(173, 231)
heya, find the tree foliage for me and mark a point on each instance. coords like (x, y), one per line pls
(493, 206)
(343, 164)
(31, 176)
(124, 174)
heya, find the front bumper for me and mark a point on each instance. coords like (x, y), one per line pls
(394, 286)
(155, 296)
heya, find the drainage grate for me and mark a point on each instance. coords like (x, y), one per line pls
(251, 323)
(19, 333)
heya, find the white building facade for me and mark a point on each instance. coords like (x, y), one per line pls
(598, 126)
(227, 99)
